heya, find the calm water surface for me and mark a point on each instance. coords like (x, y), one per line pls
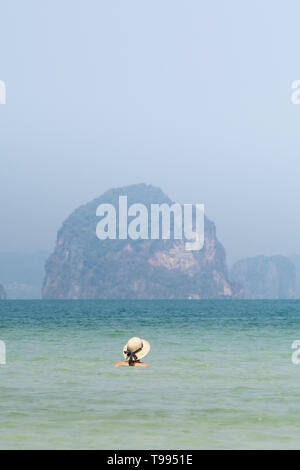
(221, 375)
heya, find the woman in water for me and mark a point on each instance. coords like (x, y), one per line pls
(133, 352)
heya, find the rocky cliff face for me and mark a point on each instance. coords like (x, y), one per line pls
(2, 293)
(265, 277)
(82, 266)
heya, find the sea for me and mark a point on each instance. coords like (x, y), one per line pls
(221, 375)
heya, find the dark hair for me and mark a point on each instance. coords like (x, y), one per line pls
(132, 356)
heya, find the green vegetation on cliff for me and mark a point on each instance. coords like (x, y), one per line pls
(82, 266)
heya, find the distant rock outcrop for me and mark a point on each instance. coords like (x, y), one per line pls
(265, 277)
(82, 266)
(2, 293)
(295, 259)
(23, 273)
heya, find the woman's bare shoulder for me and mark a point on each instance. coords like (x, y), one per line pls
(141, 364)
(137, 364)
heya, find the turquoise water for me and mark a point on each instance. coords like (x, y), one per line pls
(221, 375)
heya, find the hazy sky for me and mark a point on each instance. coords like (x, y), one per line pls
(191, 96)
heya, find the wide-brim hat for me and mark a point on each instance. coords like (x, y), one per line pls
(134, 344)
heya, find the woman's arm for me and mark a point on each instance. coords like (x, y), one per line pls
(140, 364)
(136, 364)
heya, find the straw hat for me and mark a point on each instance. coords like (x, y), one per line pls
(136, 348)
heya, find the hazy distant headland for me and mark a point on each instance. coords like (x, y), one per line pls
(295, 259)
(2, 293)
(22, 274)
(265, 277)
